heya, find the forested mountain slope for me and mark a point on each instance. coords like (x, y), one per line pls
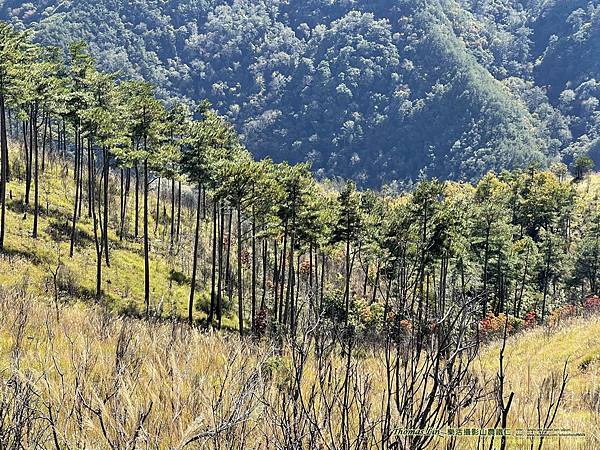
(378, 91)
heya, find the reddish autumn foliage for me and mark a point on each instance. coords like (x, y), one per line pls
(530, 319)
(561, 313)
(592, 304)
(493, 326)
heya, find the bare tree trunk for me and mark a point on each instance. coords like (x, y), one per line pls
(264, 273)
(91, 178)
(121, 199)
(98, 239)
(137, 199)
(172, 235)
(29, 156)
(546, 275)
(178, 209)
(485, 269)
(228, 278)
(347, 285)
(157, 207)
(124, 206)
(195, 259)
(322, 290)
(239, 269)
(253, 280)
(106, 167)
(47, 131)
(3, 168)
(213, 273)
(220, 280)
(77, 194)
(376, 282)
(275, 280)
(283, 265)
(81, 146)
(292, 278)
(36, 177)
(25, 129)
(146, 243)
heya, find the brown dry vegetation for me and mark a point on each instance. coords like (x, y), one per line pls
(76, 377)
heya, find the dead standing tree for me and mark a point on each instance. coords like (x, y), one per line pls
(430, 378)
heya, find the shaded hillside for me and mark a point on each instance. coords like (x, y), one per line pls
(366, 90)
(553, 45)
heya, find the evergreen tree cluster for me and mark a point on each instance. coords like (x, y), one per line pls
(281, 245)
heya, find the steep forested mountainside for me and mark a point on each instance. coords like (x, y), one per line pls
(555, 46)
(374, 90)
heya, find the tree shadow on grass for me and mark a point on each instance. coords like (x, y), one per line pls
(12, 254)
(61, 232)
(19, 207)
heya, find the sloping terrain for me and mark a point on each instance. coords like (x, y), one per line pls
(536, 358)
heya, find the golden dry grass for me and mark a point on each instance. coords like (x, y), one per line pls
(157, 385)
(532, 356)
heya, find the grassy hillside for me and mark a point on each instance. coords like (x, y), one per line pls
(44, 267)
(91, 379)
(534, 357)
(32, 263)
(162, 383)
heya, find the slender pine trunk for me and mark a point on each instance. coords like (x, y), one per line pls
(275, 280)
(347, 285)
(77, 193)
(264, 273)
(97, 236)
(36, 178)
(146, 243)
(376, 283)
(283, 267)
(546, 276)
(137, 200)
(485, 269)
(253, 280)
(121, 199)
(239, 269)
(81, 177)
(178, 210)
(228, 278)
(220, 279)
(172, 235)
(48, 130)
(91, 178)
(195, 259)
(106, 168)
(125, 183)
(3, 167)
(214, 265)
(29, 151)
(157, 218)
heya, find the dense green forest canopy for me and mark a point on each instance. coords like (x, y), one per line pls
(378, 91)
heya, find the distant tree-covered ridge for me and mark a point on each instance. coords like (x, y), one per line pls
(378, 91)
